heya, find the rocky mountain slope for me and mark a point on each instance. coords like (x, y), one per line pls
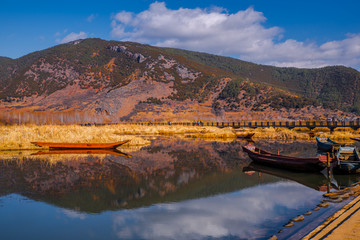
(97, 80)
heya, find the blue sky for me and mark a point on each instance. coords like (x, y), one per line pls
(304, 33)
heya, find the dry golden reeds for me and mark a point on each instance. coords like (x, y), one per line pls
(21, 136)
(279, 133)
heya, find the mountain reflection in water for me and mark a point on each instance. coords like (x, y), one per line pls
(166, 171)
(173, 189)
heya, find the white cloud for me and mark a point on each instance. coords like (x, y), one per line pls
(123, 17)
(74, 214)
(72, 37)
(241, 34)
(91, 18)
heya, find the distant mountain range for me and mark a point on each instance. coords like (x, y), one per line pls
(121, 81)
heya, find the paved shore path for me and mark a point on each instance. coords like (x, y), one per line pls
(344, 224)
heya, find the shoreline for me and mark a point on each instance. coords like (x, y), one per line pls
(344, 223)
(332, 220)
(18, 137)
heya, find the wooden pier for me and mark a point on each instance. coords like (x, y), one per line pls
(265, 124)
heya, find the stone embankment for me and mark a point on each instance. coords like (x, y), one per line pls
(341, 224)
(345, 223)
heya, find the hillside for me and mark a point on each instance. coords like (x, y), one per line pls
(333, 87)
(98, 80)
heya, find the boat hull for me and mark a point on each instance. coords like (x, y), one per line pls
(355, 139)
(286, 162)
(52, 145)
(348, 161)
(326, 144)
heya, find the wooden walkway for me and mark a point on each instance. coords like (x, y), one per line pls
(255, 124)
(344, 224)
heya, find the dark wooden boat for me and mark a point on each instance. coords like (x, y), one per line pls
(326, 144)
(355, 139)
(298, 164)
(53, 145)
(244, 134)
(348, 161)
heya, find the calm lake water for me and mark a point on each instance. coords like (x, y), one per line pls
(172, 189)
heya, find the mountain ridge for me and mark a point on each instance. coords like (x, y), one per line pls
(123, 81)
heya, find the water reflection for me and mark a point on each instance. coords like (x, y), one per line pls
(165, 172)
(247, 214)
(317, 181)
(173, 189)
(83, 151)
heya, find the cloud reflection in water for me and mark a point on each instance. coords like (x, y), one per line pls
(74, 214)
(250, 213)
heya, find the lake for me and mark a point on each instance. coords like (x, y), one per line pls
(173, 189)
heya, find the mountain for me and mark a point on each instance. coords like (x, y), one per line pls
(333, 87)
(98, 80)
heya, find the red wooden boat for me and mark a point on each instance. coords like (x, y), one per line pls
(52, 145)
(83, 151)
(298, 164)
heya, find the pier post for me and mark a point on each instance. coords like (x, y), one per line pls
(328, 170)
(328, 159)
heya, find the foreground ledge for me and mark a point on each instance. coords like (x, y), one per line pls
(344, 224)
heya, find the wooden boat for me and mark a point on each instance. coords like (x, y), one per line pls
(348, 160)
(298, 164)
(326, 144)
(83, 151)
(53, 145)
(244, 133)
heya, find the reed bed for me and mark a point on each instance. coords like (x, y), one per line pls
(280, 133)
(21, 136)
(339, 135)
(183, 131)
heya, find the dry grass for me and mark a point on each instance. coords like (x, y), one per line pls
(280, 133)
(168, 130)
(322, 129)
(339, 135)
(19, 137)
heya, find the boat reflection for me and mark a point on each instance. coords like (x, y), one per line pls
(317, 181)
(83, 151)
(246, 140)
